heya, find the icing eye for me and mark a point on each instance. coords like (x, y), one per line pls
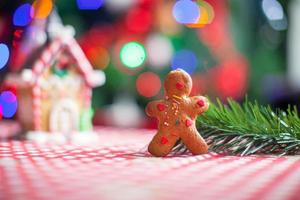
(179, 86)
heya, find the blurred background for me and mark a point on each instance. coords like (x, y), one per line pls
(234, 48)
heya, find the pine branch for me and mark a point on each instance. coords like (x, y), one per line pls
(249, 129)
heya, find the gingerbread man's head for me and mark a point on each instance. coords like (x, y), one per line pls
(179, 83)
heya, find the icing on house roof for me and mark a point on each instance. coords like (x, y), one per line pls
(62, 39)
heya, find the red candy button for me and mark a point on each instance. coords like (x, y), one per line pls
(200, 103)
(188, 122)
(164, 140)
(160, 106)
(179, 86)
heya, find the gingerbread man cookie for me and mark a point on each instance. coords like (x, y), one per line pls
(176, 115)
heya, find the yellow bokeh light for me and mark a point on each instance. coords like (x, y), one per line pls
(206, 15)
(42, 8)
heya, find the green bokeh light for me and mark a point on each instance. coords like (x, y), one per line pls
(133, 54)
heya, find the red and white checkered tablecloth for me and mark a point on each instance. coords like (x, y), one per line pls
(8, 129)
(119, 168)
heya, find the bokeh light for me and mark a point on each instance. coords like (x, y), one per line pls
(272, 9)
(41, 9)
(148, 84)
(206, 17)
(117, 113)
(36, 35)
(165, 21)
(139, 20)
(10, 87)
(4, 55)
(199, 84)
(99, 57)
(186, 60)
(8, 101)
(230, 78)
(89, 4)
(186, 11)
(117, 5)
(22, 15)
(159, 50)
(133, 54)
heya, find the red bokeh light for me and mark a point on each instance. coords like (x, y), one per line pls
(139, 20)
(199, 85)
(98, 56)
(148, 84)
(230, 78)
(9, 87)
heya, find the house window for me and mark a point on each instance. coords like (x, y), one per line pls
(60, 70)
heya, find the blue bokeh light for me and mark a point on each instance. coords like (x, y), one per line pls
(22, 16)
(89, 4)
(4, 55)
(186, 11)
(186, 60)
(9, 104)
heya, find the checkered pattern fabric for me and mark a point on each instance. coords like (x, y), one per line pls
(120, 168)
(8, 129)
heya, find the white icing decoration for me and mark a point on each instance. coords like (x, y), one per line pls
(64, 32)
(64, 116)
(56, 86)
(27, 75)
(97, 78)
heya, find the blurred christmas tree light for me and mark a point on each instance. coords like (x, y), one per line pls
(8, 101)
(199, 84)
(186, 12)
(99, 57)
(41, 9)
(159, 50)
(89, 4)
(206, 17)
(139, 20)
(272, 9)
(22, 15)
(4, 52)
(230, 78)
(148, 84)
(186, 60)
(117, 5)
(117, 113)
(165, 20)
(133, 54)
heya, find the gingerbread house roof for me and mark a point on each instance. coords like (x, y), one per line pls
(62, 39)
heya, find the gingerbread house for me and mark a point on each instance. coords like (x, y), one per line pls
(54, 91)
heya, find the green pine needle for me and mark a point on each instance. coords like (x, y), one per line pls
(249, 129)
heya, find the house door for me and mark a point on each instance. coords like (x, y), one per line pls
(64, 117)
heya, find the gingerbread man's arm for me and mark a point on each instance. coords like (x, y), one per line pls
(198, 105)
(155, 108)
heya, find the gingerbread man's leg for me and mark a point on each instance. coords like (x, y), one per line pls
(162, 143)
(194, 142)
